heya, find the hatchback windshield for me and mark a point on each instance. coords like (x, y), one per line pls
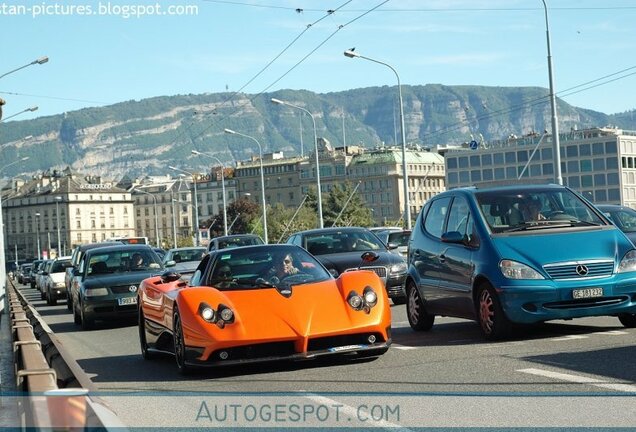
(507, 211)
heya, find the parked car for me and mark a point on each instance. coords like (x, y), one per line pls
(341, 249)
(623, 217)
(184, 260)
(236, 311)
(234, 240)
(72, 277)
(397, 240)
(517, 254)
(160, 252)
(110, 276)
(53, 280)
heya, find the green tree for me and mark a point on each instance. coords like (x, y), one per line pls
(354, 212)
(280, 224)
(246, 213)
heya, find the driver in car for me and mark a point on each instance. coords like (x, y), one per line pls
(283, 268)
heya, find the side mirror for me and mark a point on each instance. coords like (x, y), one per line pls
(171, 263)
(453, 237)
(392, 246)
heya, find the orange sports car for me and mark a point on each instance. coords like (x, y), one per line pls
(263, 303)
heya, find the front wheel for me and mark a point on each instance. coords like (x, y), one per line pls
(145, 353)
(628, 320)
(179, 345)
(419, 318)
(493, 321)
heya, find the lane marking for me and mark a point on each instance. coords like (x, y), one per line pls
(569, 337)
(579, 379)
(612, 333)
(353, 412)
(403, 347)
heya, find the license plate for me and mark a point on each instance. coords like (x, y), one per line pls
(345, 348)
(587, 293)
(127, 301)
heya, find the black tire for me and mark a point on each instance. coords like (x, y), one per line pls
(87, 323)
(628, 320)
(179, 344)
(145, 354)
(69, 301)
(419, 318)
(77, 318)
(398, 300)
(492, 320)
(42, 294)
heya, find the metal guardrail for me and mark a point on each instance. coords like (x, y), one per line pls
(57, 388)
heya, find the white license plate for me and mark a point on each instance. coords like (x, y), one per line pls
(587, 293)
(345, 348)
(127, 301)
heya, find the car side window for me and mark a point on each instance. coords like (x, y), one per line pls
(197, 277)
(434, 222)
(458, 216)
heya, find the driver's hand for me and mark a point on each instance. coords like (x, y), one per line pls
(293, 270)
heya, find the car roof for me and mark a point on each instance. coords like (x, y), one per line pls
(120, 246)
(493, 187)
(236, 236)
(87, 246)
(329, 230)
(185, 248)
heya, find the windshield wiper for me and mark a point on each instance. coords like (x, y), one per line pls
(542, 224)
(254, 282)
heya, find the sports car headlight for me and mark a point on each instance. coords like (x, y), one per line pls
(398, 268)
(354, 300)
(207, 313)
(226, 314)
(95, 292)
(515, 270)
(628, 263)
(370, 297)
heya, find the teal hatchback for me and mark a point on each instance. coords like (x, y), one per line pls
(517, 254)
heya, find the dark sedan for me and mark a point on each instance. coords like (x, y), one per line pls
(342, 249)
(110, 277)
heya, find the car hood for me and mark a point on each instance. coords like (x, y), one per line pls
(347, 260)
(114, 279)
(57, 277)
(539, 249)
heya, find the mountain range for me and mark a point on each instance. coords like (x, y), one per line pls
(145, 136)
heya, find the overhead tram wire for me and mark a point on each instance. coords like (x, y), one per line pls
(297, 64)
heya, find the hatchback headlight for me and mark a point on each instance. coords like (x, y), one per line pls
(398, 268)
(515, 270)
(628, 263)
(95, 292)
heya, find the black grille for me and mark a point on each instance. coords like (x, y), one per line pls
(273, 349)
(122, 289)
(584, 303)
(569, 270)
(380, 271)
(322, 343)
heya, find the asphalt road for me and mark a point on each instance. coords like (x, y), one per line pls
(559, 374)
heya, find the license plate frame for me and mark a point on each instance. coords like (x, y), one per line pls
(586, 293)
(127, 301)
(346, 348)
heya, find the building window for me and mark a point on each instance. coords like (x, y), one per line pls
(77, 211)
(451, 162)
(474, 161)
(548, 169)
(585, 150)
(611, 163)
(572, 167)
(586, 165)
(601, 195)
(599, 180)
(486, 160)
(510, 157)
(572, 151)
(487, 174)
(597, 149)
(498, 158)
(574, 182)
(79, 224)
(599, 164)
(614, 195)
(610, 147)
(499, 174)
(612, 179)
(546, 154)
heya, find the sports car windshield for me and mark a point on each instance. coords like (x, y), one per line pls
(265, 267)
(529, 210)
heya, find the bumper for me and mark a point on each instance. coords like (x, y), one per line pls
(536, 303)
(395, 286)
(359, 344)
(58, 292)
(108, 309)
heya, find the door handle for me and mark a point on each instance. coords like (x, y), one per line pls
(442, 258)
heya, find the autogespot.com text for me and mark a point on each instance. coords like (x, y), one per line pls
(101, 8)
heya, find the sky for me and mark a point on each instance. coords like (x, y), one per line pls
(254, 46)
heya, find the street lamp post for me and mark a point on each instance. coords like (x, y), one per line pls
(158, 241)
(555, 125)
(196, 204)
(280, 102)
(407, 205)
(57, 214)
(198, 153)
(31, 109)
(37, 231)
(41, 60)
(260, 152)
(174, 225)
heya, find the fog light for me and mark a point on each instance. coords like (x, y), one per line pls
(223, 355)
(207, 314)
(371, 339)
(227, 315)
